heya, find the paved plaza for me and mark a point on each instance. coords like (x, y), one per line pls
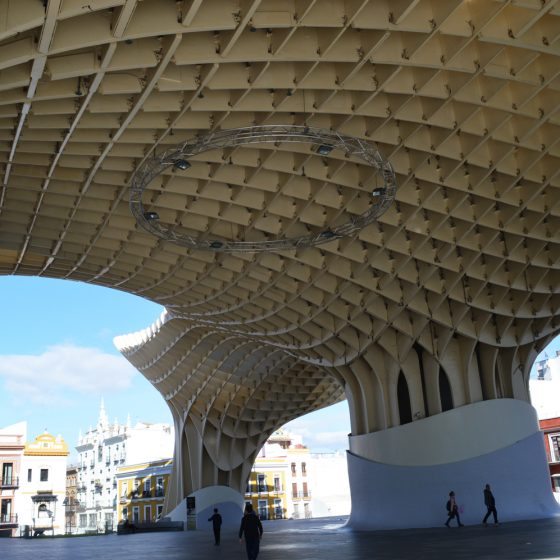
(307, 540)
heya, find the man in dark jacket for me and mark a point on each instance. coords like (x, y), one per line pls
(251, 527)
(216, 525)
(490, 503)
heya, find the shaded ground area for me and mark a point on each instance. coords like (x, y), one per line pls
(313, 539)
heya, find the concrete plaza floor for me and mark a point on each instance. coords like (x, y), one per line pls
(314, 539)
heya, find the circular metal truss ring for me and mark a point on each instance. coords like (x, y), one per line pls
(325, 140)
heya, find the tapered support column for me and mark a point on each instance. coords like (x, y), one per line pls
(401, 477)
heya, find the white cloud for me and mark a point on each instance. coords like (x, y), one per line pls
(62, 370)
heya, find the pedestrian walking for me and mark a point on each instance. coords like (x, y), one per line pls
(252, 529)
(452, 510)
(490, 503)
(216, 525)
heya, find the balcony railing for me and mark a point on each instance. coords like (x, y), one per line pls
(9, 482)
(296, 495)
(159, 493)
(7, 519)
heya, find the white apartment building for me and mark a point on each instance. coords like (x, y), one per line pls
(42, 486)
(101, 451)
(544, 389)
(331, 487)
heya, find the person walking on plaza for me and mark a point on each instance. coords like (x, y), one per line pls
(252, 528)
(216, 525)
(490, 503)
(452, 510)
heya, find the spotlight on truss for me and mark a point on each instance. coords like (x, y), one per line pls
(181, 164)
(151, 216)
(324, 149)
(378, 192)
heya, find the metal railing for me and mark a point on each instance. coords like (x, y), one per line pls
(9, 482)
(8, 519)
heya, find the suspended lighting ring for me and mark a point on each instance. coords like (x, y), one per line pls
(324, 141)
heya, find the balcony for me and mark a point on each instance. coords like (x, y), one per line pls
(9, 482)
(301, 495)
(147, 494)
(7, 519)
(160, 493)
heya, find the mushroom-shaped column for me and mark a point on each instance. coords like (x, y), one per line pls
(443, 414)
(227, 394)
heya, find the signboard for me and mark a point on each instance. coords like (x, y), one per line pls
(191, 513)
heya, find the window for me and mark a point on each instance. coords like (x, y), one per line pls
(263, 509)
(277, 485)
(92, 520)
(125, 513)
(261, 483)
(554, 440)
(100, 454)
(44, 511)
(303, 469)
(148, 513)
(159, 511)
(147, 488)
(305, 491)
(7, 473)
(5, 511)
(135, 514)
(29, 475)
(296, 511)
(294, 489)
(160, 491)
(306, 510)
(44, 475)
(278, 510)
(83, 519)
(293, 468)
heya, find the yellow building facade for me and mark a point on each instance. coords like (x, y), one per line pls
(266, 488)
(278, 487)
(141, 491)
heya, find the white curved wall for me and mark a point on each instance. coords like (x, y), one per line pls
(409, 492)
(229, 503)
(455, 435)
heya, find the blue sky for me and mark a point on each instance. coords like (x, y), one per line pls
(57, 360)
